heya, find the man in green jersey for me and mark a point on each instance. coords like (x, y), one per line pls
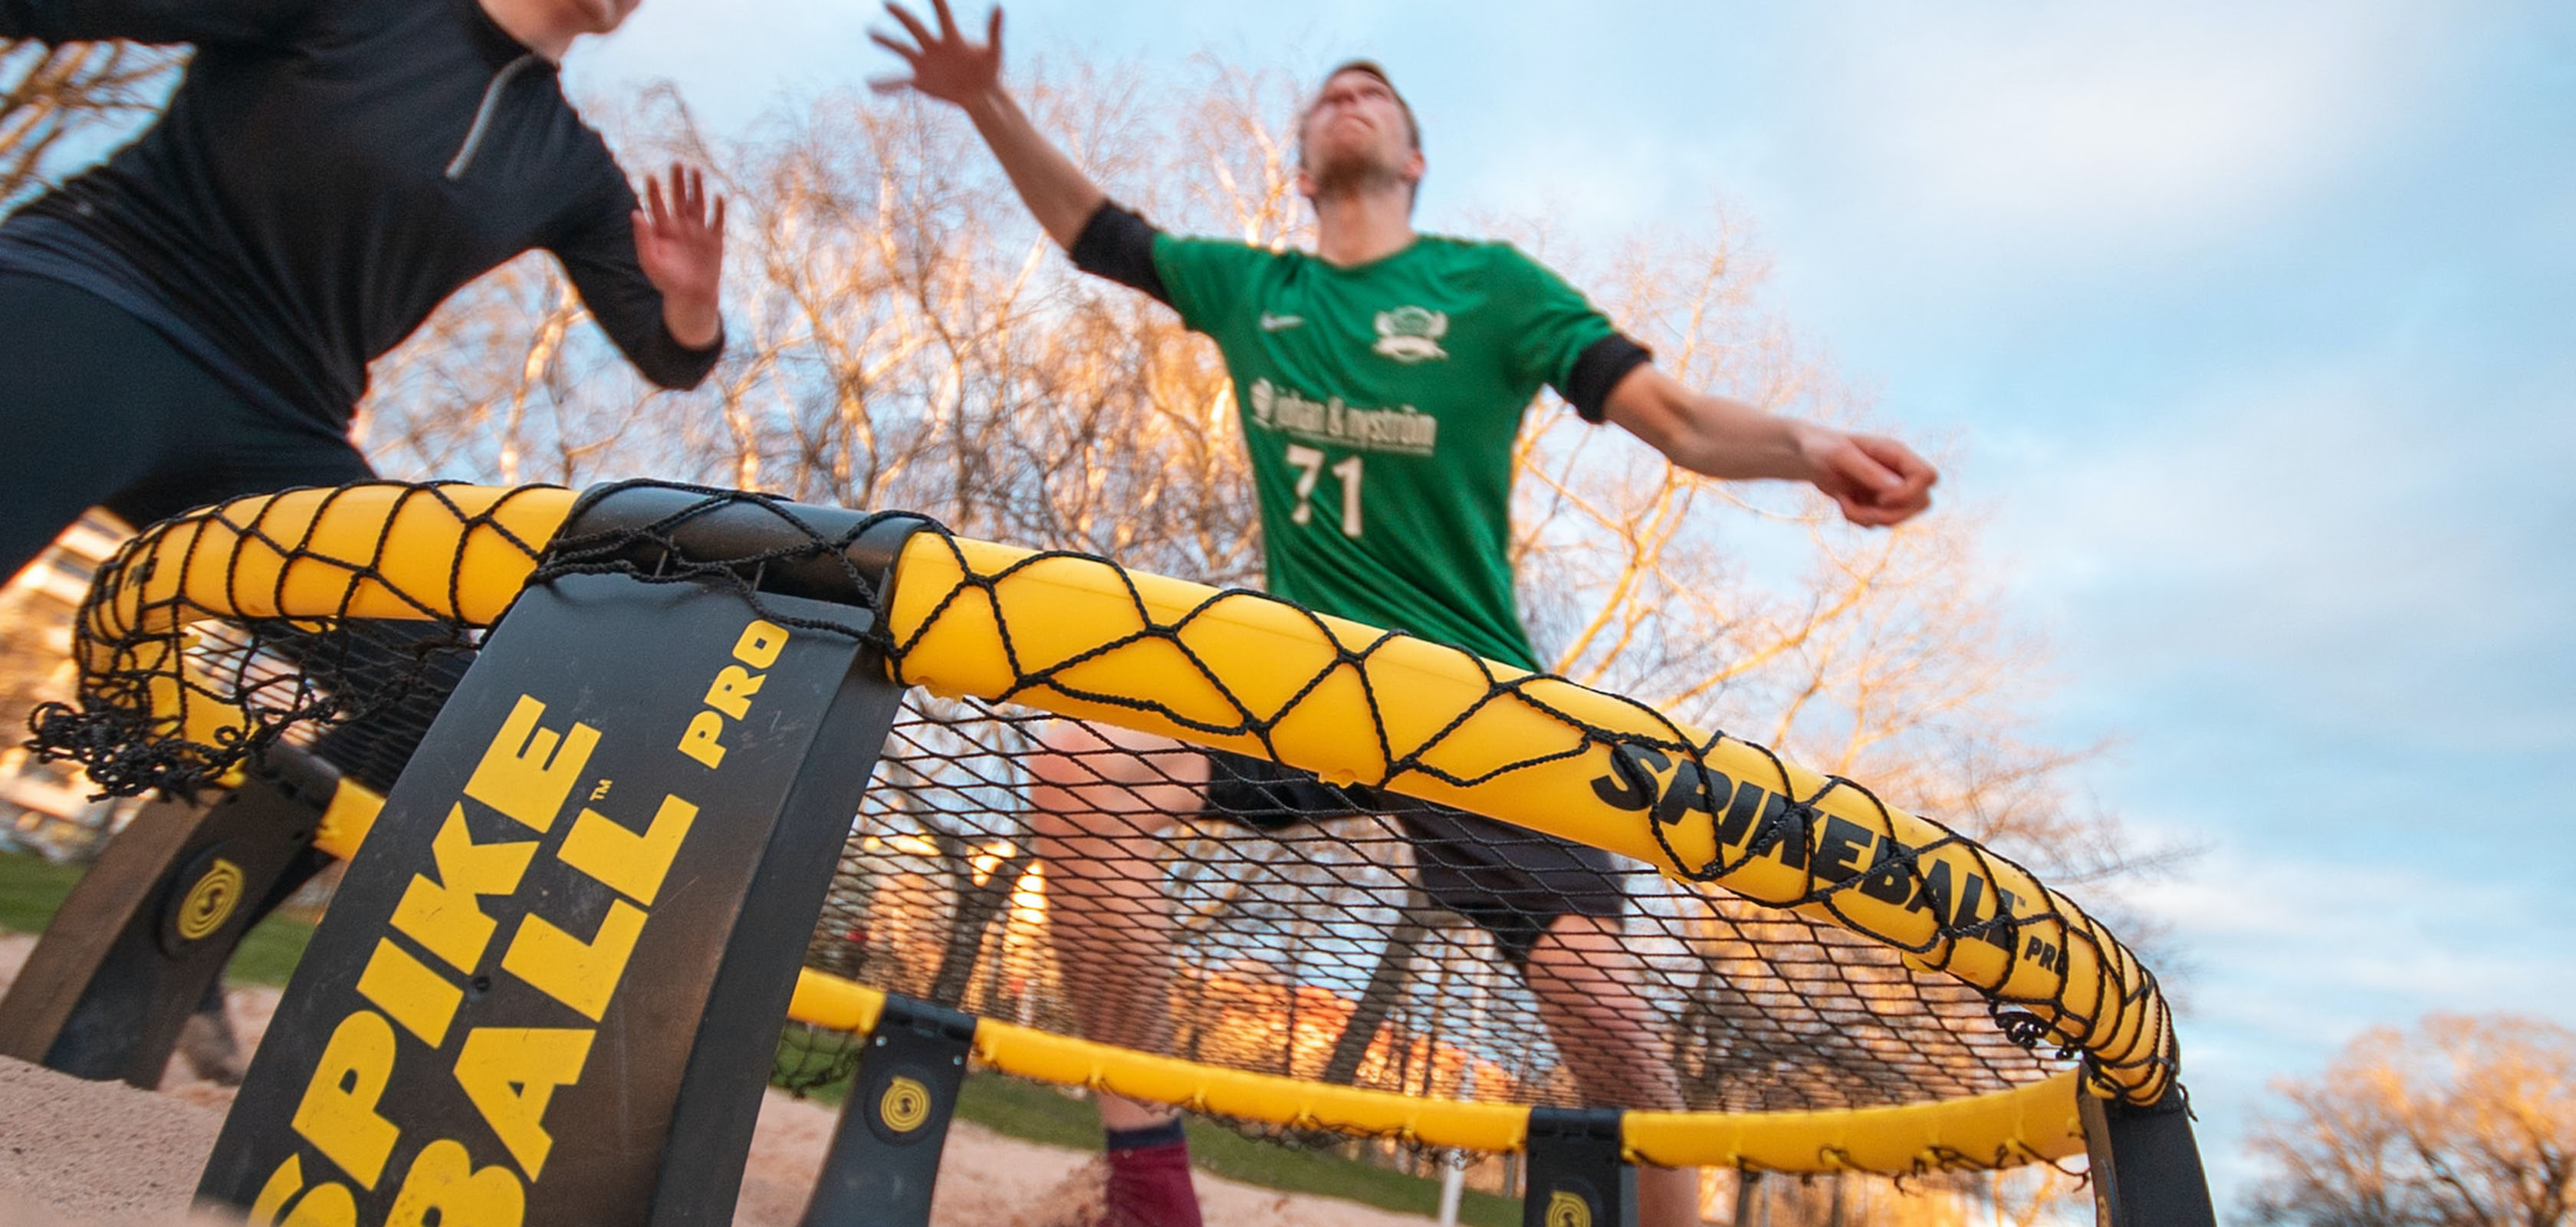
(1381, 379)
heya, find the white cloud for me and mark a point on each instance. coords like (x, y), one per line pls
(2064, 126)
(2324, 534)
(2321, 943)
(2306, 951)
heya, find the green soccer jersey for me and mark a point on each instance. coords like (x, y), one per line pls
(1380, 403)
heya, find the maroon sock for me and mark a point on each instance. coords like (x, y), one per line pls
(1149, 1178)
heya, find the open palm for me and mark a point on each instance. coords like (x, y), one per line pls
(944, 65)
(679, 241)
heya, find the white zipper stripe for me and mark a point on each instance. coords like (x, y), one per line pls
(483, 115)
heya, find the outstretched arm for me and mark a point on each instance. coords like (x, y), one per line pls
(948, 67)
(1876, 481)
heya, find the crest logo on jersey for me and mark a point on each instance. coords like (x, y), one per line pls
(1411, 334)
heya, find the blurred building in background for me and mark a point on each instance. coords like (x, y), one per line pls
(46, 807)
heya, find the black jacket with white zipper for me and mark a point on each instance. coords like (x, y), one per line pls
(326, 174)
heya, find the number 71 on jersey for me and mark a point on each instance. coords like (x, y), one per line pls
(1310, 466)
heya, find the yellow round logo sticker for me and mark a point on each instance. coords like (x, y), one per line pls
(1567, 1210)
(211, 901)
(905, 1106)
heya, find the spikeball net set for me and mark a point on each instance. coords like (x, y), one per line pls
(1803, 978)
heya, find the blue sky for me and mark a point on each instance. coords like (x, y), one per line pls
(2258, 326)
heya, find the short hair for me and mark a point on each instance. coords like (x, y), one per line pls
(1412, 126)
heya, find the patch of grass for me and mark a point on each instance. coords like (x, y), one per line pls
(805, 1054)
(1029, 1111)
(1036, 1113)
(31, 888)
(269, 952)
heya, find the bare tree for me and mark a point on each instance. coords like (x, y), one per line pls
(57, 102)
(2467, 1121)
(1387, 982)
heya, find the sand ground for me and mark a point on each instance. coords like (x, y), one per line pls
(102, 1154)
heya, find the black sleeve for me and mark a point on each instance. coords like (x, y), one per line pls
(213, 22)
(1119, 245)
(599, 254)
(1597, 370)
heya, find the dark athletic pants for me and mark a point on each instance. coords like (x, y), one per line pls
(102, 411)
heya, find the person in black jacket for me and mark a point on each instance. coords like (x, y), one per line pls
(192, 320)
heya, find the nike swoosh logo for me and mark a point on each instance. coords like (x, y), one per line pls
(1273, 323)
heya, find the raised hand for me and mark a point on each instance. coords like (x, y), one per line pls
(679, 240)
(945, 65)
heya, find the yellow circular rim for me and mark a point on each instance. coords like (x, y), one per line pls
(373, 550)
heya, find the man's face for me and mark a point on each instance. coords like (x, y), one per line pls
(1355, 135)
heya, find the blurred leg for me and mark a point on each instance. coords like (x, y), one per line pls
(1585, 980)
(1102, 801)
(207, 1040)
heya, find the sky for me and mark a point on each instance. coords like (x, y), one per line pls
(2255, 325)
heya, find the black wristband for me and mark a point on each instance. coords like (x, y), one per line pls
(1119, 245)
(1599, 369)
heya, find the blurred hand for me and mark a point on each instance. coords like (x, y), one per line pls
(679, 239)
(944, 66)
(1876, 481)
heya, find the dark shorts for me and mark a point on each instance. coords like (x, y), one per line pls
(1512, 882)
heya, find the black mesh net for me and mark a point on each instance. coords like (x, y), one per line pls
(1316, 951)
(181, 682)
(1074, 876)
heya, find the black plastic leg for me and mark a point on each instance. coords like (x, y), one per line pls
(885, 1152)
(2146, 1167)
(136, 946)
(553, 979)
(1576, 1175)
